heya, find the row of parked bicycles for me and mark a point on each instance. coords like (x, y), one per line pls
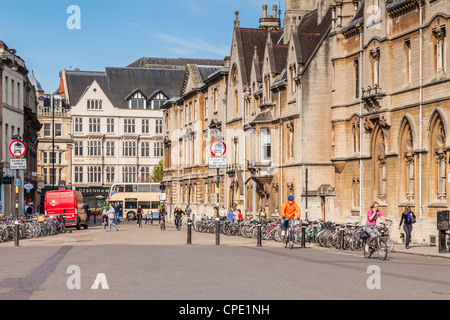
(32, 227)
(343, 236)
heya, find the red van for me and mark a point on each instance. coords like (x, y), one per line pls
(69, 203)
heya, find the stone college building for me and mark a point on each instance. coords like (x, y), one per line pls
(346, 104)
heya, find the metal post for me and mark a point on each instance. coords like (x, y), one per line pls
(341, 247)
(217, 221)
(16, 222)
(306, 203)
(189, 231)
(259, 244)
(303, 237)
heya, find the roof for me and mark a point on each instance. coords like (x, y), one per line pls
(252, 38)
(310, 33)
(118, 83)
(149, 62)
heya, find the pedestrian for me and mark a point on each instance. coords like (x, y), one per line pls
(372, 215)
(409, 218)
(230, 215)
(139, 216)
(239, 215)
(111, 213)
(116, 213)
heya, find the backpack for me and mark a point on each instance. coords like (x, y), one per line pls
(364, 235)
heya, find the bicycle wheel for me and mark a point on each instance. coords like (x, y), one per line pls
(291, 239)
(389, 244)
(382, 249)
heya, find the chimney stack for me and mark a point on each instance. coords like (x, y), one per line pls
(269, 22)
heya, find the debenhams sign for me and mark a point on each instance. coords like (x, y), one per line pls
(93, 190)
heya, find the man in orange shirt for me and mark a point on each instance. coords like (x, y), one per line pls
(289, 211)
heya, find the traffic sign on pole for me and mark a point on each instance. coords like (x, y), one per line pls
(17, 148)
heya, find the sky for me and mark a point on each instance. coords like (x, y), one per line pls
(51, 35)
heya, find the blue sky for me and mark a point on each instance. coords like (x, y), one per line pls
(117, 32)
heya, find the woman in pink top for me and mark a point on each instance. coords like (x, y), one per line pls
(372, 215)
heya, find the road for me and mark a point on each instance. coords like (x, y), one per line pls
(147, 263)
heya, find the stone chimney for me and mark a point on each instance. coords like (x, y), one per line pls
(269, 22)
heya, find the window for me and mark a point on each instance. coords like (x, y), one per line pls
(58, 130)
(145, 149)
(109, 125)
(159, 126)
(137, 101)
(145, 126)
(110, 148)
(158, 101)
(94, 148)
(78, 174)
(129, 125)
(356, 72)
(94, 124)
(45, 176)
(137, 104)
(94, 104)
(78, 148)
(129, 149)
(129, 174)
(78, 125)
(110, 174)
(158, 149)
(94, 174)
(265, 145)
(47, 130)
(145, 174)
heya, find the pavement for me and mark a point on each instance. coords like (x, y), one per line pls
(150, 234)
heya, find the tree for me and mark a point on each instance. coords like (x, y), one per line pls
(157, 174)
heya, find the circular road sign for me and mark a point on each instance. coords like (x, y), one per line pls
(17, 148)
(218, 148)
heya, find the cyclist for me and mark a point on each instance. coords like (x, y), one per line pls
(372, 215)
(177, 215)
(289, 211)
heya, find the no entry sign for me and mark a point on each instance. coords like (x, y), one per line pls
(17, 148)
(218, 148)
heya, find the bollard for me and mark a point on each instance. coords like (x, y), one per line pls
(217, 225)
(189, 232)
(259, 244)
(303, 237)
(16, 236)
(341, 247)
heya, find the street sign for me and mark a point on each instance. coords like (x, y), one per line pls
(17, 181)
(28, 186)
(17, 148)
(218, 148)
(217, 163)
(15, 163)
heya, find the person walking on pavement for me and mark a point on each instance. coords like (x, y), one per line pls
(111, 218)
(139, 216)
(408, 217)
(289, 211)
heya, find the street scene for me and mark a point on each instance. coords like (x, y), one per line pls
(226, 150)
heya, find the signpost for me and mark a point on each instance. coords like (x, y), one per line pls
(17, 149)
(218, 149)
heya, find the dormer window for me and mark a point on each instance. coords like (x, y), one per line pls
(157, 100)
(137, 100)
